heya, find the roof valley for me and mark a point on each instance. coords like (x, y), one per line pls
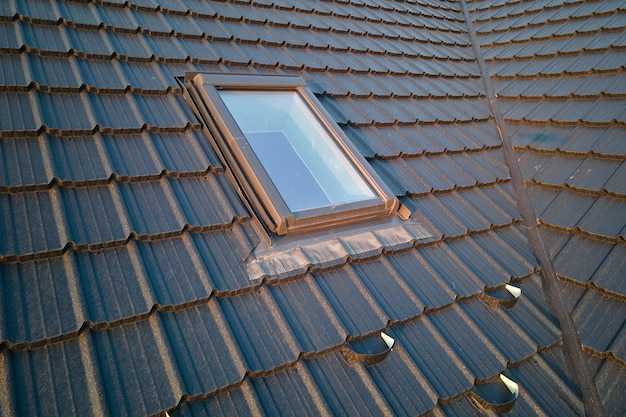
(552, 288)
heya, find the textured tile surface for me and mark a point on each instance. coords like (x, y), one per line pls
(123, 268)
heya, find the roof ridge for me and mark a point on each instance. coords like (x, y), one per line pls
(571, 338)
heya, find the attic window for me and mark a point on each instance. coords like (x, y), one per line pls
(291, 161)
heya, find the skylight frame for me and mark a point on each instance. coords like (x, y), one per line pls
(249, 175)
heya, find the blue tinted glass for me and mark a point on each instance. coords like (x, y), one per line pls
(302, 160)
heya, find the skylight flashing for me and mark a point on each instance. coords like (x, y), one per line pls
(295, 254)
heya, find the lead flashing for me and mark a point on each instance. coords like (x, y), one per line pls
(321, 250)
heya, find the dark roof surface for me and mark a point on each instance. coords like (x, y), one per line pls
(124, 288)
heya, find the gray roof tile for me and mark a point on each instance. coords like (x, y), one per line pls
(359, 314)
(480, 357)
(611, 382)
(609, 274)
(308, 314)
(265, 340)
(26, 297)
(127, 356)
(443, 370)
(23, 162)
(385, 285)
(202, 345)
(580, 247)
(593, 308)
(92, 214)
(114, 286)
(66, 366)
(31, 210)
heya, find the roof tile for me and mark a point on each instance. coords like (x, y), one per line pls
(202, 345)
(443, 370)
(43, 373)
(593, 308)
(346, 389)
(130, 355)
(422, 279)
(31, 211)
(308, 314)
(42, 298)
(359, 313)
(114, 285)
(265, 340)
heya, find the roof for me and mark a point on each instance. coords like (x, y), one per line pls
(123, 281)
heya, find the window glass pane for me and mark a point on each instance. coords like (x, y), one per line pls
(302, 160)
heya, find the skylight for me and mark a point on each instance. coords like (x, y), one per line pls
(292, 163)
(306, 166)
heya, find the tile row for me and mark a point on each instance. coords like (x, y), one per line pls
(589, 111)
(194, 352)
(368, 111)
(441, 172)
(85, 112)
(114, 285)
(605, 262)
(422, 139)
(581, 64)
(457, 213)
(100, 41)
(175, 15)
(586, 17)
(303, 385)
(563, 87)
(113, 212)
(601, 216)
(522, 13)
(98, 157)
(575, 140)
(24, 70)
(134, 111)
(588, 173)
(601, 41)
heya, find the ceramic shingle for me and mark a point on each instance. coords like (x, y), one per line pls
(124, 280)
